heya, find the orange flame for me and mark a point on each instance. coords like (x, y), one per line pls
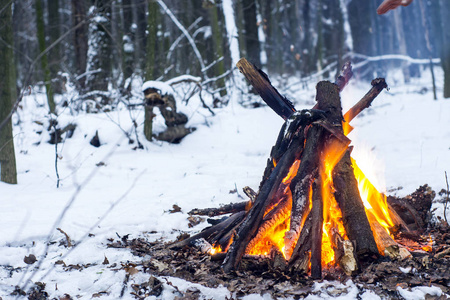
(374, 202)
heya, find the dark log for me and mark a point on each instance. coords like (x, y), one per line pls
(261, 83)
(250, 225)
(302, 182)
(209, 232)
(296, 123)
(406, 212)
(378, 85)
(174, 134)
(353, 213)
(298, 262)
(398, 221)
(226, 209)
(316, 229)
(347, 194)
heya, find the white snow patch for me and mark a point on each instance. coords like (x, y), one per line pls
(419, 293)
(163, 87)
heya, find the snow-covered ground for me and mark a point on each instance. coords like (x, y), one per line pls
(115, 190)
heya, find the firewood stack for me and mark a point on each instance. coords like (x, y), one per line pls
(291, 193)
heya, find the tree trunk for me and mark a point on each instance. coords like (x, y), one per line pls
(251, 32)
(445, 56)
(128, 46)
(44, 59)
(54, 33)
(80, 37)
(218, 48)
(151, 68)
(7, 94)
(100, 45)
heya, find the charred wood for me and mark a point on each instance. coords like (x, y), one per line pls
(261, 83)
(378, 85)
(344, 253)
(353, 212)
(299, 260)
(250, 193)
(347, 194)
(226, 209)
(250, 225)
(316, 229)
(295, 125)
(211, 231)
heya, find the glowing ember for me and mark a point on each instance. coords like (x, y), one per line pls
(215, 250)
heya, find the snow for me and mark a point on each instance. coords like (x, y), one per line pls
(115, 190)
(163, 87)
(419, 293)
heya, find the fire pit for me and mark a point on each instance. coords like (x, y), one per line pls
(315, 209)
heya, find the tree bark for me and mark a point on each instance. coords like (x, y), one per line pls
(445, 53)
(100, 45)
(316, 230)
(219, 68)
(7, 94)
(347, 194)
(44, 60)
(152, 65)
(80, 39)
(251, 32)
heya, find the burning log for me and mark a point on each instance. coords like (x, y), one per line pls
(386, 245)
(252, 221)
(344, 253)
(298, 263)
(354, 216)
(316, 230)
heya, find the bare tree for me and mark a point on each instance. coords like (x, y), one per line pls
(7, 94)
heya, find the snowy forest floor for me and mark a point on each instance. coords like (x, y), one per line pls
(116, 190)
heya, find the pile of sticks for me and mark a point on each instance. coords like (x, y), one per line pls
(303, 139)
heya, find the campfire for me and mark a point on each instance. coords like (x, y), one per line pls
(315, 209)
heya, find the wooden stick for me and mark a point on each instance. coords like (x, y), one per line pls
(298, 262)
(378, 85)
(386, 245)
(268, 93)
(226, 209)
(301, 184)
(211, 231)
(295, 125)
(316, 230)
